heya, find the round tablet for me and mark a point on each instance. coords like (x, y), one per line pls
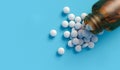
(88, 27)
(85, 45)
(81, 41)
(86, 34)
(65, 24)
(94, 39)
(61, 51)
(66, 10)
(71, 16)
(80, 36)
(66, 34)
(86, 39)
(77, 19)
(83, 15)
(91, 45)
(78, 48)
(71, 24)
(70, 44)
(77, 26)
(74, 33)
(53, 33)
(75, 41)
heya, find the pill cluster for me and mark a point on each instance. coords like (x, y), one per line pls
(79, 35)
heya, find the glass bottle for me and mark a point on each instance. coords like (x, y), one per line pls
(105, 16)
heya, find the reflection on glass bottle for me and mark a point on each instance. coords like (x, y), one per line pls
(105, 15)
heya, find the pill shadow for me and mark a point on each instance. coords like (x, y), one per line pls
(50, 37)
(58, 55)
(63, 14)
(67, 47)
(65, 39)
(63, 29)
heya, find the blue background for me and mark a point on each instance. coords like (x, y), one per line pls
(25, 43)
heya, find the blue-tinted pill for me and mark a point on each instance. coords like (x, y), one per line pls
(81, 41)
(86, 39)
(80, 36)
(91, 45)
(85, 45)
(94, 39)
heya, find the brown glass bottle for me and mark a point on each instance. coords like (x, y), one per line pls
(105, 16)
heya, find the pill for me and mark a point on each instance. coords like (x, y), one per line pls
(74, 33)
(71, 16)
(83, 23)
(85, 45)
(78, 19)
(86, 34)
(86, 39)
(88, 27)
(81, 41)
(77, 26)
(70, 44)
(53, 33)
(61, 51)
(75, 41)
(78, 48)
(94, 39)
(91, 45)
(65, 24)
(83, 15)
(73, 29)
(71, 24)
(83, 26)
(66, 10)
(66, 34)
(101, 33)
(80, 36)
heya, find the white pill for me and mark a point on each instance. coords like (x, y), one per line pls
(61, 51)
(70, 44)
(71, 24)
(77, 19)
(91, 45)
(66, 34)
(85, 45)
(74, 33)
(77, 26)
(53, 32)
(75, 41)
(78, 48)
(65, 24)
(94, 39)
(83, 15)
(72, 29)
(71, 16)
(66, 10)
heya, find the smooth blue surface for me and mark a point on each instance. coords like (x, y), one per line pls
(25, 43)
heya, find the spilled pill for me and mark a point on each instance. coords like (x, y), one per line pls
(53, 33)
(61, 51)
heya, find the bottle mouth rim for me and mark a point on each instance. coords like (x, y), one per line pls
(94, 21)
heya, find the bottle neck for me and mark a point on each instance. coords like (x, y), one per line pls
(94, 21)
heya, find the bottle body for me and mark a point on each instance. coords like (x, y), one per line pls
(105, 16)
